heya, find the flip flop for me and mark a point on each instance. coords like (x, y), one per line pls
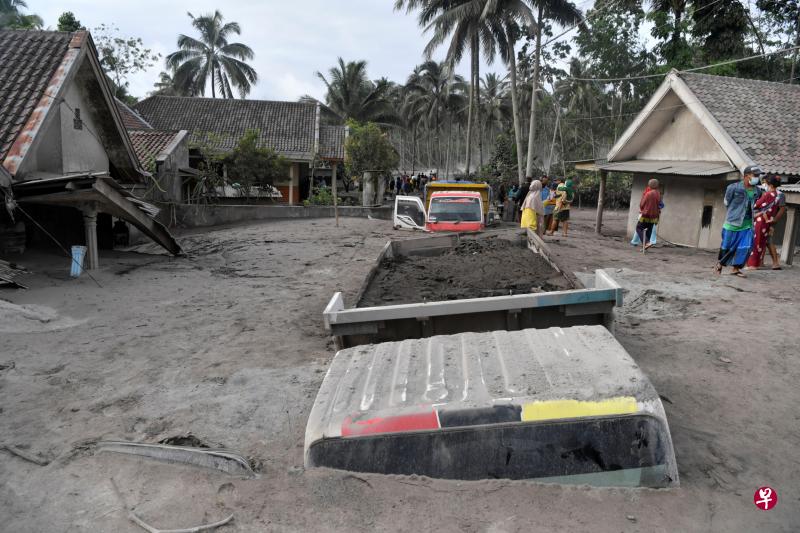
(739, 274)
(777, 268)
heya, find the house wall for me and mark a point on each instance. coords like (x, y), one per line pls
(686, 198)
(168, 173)
(80, 148)
(683, 139)
(290, 183)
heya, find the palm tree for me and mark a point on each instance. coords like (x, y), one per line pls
(677, 8)
(429, 85)
(563, 12)
(505, 18)
(212, 58)
(461, 22)
(352, 96)
(12, 18)
(495, 104)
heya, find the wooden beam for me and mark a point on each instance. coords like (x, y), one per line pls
(790, 234)
(333, 190)
(128, 210)
(601, 201)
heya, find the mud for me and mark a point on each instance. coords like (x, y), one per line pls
(476, 268)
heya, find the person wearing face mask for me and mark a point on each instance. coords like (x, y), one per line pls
(737, 232)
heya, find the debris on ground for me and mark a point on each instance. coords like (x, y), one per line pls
(133, 517)
(223, 460)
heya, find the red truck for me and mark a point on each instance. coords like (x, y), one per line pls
(459, 211)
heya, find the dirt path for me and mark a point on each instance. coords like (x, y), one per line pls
(228, 345)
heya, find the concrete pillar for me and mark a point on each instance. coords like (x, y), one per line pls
(601, 201)
(90, 227)
(334, 192)
(291, 182)
(790, 234)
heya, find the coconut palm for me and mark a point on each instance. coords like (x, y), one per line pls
(495, 104)
(12, 18)
(351, 95)
(211, 58)
(460, 22)
(563, 12)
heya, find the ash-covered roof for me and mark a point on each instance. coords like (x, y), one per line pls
(289, 128)
(331, 142)
(130, 118)
(149, 144)
(28, 60)
(762, 117)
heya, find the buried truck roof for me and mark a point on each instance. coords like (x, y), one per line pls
(561, 405)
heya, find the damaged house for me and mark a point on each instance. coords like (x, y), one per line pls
(72, 165)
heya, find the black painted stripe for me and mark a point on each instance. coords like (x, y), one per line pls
(479, 416)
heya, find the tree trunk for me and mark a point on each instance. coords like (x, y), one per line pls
(537, 59)
(213, 89)
(474, 52)
(794, 55)
(479, 129)
(512, 68)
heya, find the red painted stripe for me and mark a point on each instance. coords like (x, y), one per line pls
(390, 424)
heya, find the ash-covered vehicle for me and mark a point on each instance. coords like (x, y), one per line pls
(524, 386)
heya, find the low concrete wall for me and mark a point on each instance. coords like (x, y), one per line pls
(193, 216)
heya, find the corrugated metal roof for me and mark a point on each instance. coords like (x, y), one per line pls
(516, 369)
(684, 168)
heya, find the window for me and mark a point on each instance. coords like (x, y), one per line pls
(77, 123)
(455, 210)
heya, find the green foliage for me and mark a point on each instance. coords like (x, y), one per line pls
(503, 166)
(250, 165)
(12, 17)
(121, 57)
(68, 22)
(368, 149)
(350, 95)
(320, 196)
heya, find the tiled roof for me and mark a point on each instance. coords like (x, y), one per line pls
(149, 144)
(286, 127)
(762, 117)
(28, 60)
(331, 142)
(130, 118)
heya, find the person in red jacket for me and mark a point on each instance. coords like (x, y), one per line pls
(649, 211)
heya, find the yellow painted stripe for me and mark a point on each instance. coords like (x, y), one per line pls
(554, 409)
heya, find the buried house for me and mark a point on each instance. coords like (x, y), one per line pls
(695, 135)
(292, 130)
(62, 141)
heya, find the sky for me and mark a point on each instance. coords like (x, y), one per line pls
(292, 39)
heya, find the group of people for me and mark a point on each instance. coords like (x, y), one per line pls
(408, 184)
(544, 205)
(754, 206)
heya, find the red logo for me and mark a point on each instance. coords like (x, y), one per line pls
(765, 498)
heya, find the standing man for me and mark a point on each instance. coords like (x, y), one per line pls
(737, 232)
(649, 211)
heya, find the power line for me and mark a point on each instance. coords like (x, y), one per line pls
(695, 69)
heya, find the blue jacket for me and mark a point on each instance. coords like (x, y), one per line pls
(737, 203)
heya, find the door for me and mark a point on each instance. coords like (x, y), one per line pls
(409, 213)
(707, 218)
